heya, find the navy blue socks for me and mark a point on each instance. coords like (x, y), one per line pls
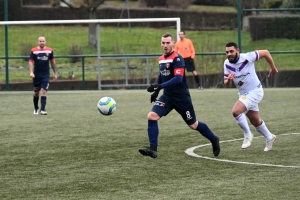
(36, 102)
(153, 134)
(205, 131)
(43, 102)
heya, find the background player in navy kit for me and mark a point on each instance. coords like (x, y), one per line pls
(40, 57)
(176, 96)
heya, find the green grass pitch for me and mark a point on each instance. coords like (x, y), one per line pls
(76, 153)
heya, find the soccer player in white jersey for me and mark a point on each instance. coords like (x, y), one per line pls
(239, 68)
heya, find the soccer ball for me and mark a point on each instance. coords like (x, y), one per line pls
(107, 105)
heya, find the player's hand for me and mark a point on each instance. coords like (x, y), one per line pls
(32, 75)
(231, 76)
(54, 76)
(153, 96)
(272, 72)
(154, 87)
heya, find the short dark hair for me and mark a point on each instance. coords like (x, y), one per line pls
(230, 44)
(182, 31)
(167, 35)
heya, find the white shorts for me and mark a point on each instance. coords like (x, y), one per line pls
(251, 99)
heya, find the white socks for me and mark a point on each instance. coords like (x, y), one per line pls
(243, 123)
(262, 129)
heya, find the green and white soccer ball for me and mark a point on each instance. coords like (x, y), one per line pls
(107, 106)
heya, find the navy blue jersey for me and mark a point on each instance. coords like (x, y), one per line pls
(170, 66)
(41, 59)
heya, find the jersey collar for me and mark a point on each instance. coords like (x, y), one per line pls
(167, 55)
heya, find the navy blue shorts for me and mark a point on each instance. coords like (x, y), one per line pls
(182, 105)
(41, 82)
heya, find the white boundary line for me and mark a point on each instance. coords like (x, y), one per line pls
(190, 152)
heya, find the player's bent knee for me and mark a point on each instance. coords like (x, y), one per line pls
(236, 113)
(153, 116)
(256, 123)
(194, 125)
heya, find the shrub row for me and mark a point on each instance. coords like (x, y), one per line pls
(189, 19)
(262, 27)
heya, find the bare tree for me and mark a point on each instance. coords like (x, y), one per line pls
(90, 6)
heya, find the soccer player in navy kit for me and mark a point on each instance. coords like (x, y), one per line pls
(40, 57)
(176, 96)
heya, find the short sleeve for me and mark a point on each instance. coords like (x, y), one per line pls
(252, 56)
(178, 62)
(51, 56)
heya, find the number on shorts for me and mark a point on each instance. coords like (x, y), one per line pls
(188, 114)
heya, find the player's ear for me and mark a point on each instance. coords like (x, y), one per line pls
(238, 50)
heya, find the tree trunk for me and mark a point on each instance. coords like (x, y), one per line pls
(92, 31)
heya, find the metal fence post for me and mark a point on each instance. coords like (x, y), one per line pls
(98, 55)
(83, 80)
(126, 71)
(147, 70)
(6, 45)
(239, 21)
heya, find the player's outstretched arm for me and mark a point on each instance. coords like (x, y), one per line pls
(266, 54)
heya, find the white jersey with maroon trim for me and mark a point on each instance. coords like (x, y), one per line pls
(245, 78)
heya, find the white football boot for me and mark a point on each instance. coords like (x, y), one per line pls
(247, 142)
(270, 143)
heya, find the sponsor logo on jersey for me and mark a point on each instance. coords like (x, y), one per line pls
(165, 72)
(42, 58)
(167, 65)
(240, 76)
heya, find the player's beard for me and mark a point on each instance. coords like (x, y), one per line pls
(42, 46)
(235, 58)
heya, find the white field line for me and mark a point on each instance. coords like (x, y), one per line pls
(190, 152)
